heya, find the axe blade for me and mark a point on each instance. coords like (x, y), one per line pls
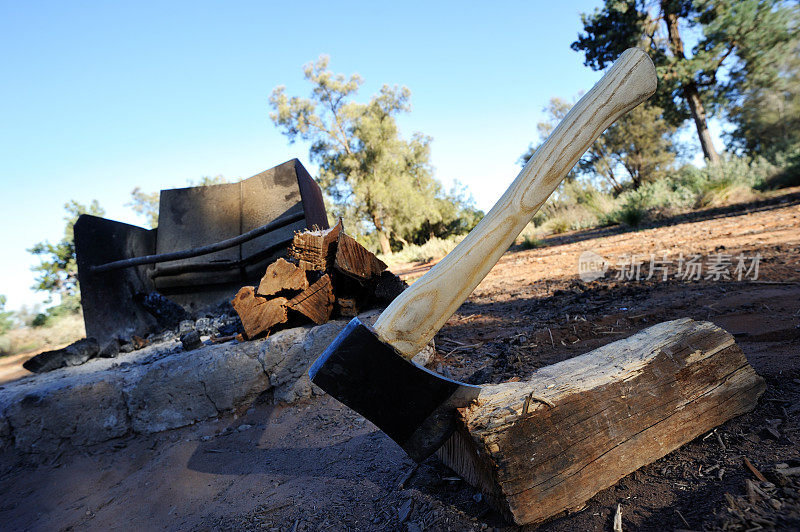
(412, 405)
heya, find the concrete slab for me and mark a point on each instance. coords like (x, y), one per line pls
(159, 387)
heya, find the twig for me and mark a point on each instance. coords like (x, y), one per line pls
(462, 347)
(719, 439)
(685, 522)
(402, 484)
(756, 473)
(551, 337)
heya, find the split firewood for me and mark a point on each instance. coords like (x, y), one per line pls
(540, 447)
(282, 275)
(258, 314)
(354, 260)
(316, 301)
(316, 250)
(348, 308)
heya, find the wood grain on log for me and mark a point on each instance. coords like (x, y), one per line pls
(258, 314)
(316, 250)
(354, 260)
(316, 301)
(540, 447)
(282, 275)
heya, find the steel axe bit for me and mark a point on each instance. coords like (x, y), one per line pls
(369, 368)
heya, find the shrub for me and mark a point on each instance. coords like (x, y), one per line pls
(532, 242)
(432, 249)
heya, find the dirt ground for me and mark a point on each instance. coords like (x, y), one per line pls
(318, 466)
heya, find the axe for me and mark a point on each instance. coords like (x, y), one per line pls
(369, 368)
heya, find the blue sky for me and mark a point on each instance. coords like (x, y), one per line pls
(97, 98)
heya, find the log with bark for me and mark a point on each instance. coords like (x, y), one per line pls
(544, 446)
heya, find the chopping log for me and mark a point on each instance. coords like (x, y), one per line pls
(355, 261)
(257, 313)
(540, 447)
(282, 275)
(316, 250)
(316, 301)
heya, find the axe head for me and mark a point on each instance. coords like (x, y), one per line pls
(413, 406)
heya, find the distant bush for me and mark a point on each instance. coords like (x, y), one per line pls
(733, 180)
(57, 332)
(434, 248)
(532, 242)
(579, 205)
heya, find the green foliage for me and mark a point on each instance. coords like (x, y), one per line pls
(532, 242)
(6, 321)
(70, 305)
(766, 117)
(57, 270)
(381, 184)
(637, 148)
(434, 248)
(146, 204)
(744, 39)
(733, 180)
(580, 205)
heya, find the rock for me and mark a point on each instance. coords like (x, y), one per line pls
(73, 355)
(109, 350)
(230, 329)
(180, 390)
(185, 326)
(285, 359)
(82, 411)
(205, 326)
(168, 314)
(191, 340)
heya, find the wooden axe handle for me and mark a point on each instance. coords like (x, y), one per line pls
(412, 319)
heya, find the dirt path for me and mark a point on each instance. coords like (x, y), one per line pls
(318, 466)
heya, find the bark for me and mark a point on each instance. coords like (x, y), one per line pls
(383, 236)
(539, 447)
(690, 91)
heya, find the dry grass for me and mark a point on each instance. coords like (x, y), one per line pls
(62, 331)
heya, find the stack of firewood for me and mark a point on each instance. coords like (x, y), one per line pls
(328, 274)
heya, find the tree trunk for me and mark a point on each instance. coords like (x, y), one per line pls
(383, 239)
(699, 114)
(690, 91)
(383, 236)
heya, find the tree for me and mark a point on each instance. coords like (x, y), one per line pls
(146, 203)
(766, 116)
(639, 145)
(57, 270)
(642, 143)
(367, 169)
(733, 35)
